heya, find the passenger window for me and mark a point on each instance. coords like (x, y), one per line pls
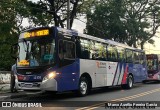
(85, 54)
(102, 52)
(112, 53)
(136, 57)
(129, 56)
(66, 50)
(142, 58)
(121, 54)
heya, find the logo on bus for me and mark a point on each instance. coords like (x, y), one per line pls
(101, 64)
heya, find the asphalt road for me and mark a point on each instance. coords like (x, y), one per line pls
(97, 100)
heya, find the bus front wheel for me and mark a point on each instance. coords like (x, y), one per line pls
(83, 87)
(129, 84)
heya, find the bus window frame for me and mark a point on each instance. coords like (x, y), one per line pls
(111, 58)
(135, 61)
(128, 61)
(122, 49)
(64, 40)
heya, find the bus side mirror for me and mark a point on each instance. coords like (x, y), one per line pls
(14, 51)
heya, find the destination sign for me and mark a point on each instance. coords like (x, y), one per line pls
(23, 63)
(36, 33)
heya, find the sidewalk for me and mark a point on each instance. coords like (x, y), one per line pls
(4, 88)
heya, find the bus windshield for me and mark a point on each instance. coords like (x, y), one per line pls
(152, 64)
(36, 52)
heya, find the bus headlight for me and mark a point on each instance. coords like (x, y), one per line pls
(50, 75)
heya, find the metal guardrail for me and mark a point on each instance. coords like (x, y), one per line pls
(5, 77)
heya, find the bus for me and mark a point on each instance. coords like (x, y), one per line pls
(57, 59)
(153, 64)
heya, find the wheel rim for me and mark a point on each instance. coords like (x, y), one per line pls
(130, 82)
(83, 87)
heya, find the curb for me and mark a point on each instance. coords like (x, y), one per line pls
(4, 88)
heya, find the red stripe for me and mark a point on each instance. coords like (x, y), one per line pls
(125, 75)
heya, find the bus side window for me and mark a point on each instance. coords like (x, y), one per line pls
(109, 52)
(142, 58)
(66, 50)
(69, 51)
(121, 52)
(112, 53)
(102, 52)
(136, 57)
(85, 47)
(129, 56)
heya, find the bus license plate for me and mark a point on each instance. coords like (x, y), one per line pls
(28, 85)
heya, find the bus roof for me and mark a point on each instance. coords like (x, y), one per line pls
(75, 33)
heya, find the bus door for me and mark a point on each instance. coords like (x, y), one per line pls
(67, 64)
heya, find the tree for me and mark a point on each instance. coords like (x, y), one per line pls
(133, 22)
(106, 21)
(45, 12)
(8, 32)
(142, 20)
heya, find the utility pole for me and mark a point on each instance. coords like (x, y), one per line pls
(68, 14)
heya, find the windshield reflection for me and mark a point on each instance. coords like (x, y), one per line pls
(36, 53)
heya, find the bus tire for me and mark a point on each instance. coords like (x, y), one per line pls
(129, 84)
(83, 88)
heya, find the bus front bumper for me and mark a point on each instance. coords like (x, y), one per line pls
(48, 85)
(27, 85)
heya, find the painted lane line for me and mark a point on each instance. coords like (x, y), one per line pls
(123, 99)
(120, 99)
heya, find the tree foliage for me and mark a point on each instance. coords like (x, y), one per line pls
(50, 12)
(8, 32)
(133, 22)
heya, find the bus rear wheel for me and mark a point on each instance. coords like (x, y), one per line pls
(83, 87)
(129, 84)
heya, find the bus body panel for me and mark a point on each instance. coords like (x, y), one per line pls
(106, 73)
(69, 77)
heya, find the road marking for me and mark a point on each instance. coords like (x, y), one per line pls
(118, 100)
